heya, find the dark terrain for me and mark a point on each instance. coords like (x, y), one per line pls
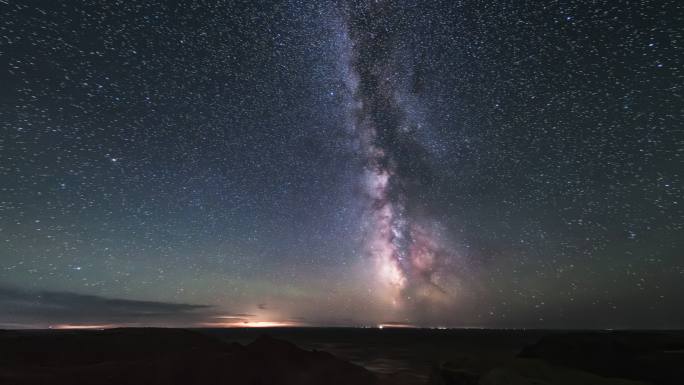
(340, 356)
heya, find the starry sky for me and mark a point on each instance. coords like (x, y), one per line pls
(341, 163)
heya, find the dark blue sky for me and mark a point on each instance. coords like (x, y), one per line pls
(498, 164)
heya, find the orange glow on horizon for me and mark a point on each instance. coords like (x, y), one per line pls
(76, 327)
(396, 325)
(253, 324)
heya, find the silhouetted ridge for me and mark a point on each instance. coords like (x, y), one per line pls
(643, 356)
(164, 356)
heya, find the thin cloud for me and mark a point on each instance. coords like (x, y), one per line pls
(46, 308)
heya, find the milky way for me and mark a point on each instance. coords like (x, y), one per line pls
(401, 237)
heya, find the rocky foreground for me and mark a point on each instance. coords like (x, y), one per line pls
(596, 358)
(176, 356)
(165, 356)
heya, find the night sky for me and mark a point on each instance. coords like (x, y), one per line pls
(351, 163)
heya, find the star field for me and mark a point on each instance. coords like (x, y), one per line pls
(443, 163)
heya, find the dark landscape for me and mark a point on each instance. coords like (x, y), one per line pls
(340, 356)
